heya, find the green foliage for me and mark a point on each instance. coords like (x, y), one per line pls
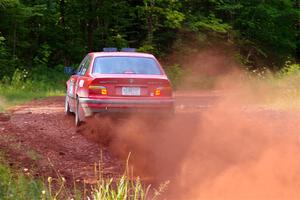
(148, 48)
(17, 186)
(210, 23)
(175, 74)
(117, 41)
(174, 18)
(290, 69)
(265, 28)
(47, 33)
(42, 57)
(8, 3)
(7, 64)
(41, 79)
(11, 96)
(25, 86)
(124, 188)
(283, 86)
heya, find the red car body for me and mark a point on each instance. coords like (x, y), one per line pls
(95, 89)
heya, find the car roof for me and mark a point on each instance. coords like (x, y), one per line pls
(133, 54)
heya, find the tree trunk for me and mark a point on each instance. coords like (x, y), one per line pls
(62, 8)
(149, 20)
(14, 38)
(90, 28)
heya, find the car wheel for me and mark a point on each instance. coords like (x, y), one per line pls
(77, 114)
(67, 107)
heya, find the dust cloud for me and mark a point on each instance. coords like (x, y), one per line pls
(232, 150)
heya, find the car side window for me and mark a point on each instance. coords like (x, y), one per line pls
(85, 66)
(79, 69)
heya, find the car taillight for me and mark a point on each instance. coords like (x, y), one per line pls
(103, 91)
(157, 92)
(96, 89)
(163, 92)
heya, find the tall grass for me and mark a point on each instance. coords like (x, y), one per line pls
(125, 188)
(10, 96)
(15, 185)
(22, 86)
(279, 91)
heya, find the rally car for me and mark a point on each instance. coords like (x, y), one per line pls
(118, 82)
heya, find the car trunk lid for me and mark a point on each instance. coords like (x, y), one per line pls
(132, 85)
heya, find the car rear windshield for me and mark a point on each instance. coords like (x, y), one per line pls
(125, 65)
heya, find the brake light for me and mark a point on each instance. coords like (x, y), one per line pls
(96, 89)
(157, 92)
(103, 91)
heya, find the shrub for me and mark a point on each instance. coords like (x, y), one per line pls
(175, 74)
(290, 69)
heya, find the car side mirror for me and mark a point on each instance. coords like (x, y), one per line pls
(69, 71)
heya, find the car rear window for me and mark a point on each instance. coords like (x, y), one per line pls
(125, 65)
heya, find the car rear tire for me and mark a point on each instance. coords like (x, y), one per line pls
(67, 107)
(77, 114)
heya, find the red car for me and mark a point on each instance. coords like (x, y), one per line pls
(118, 82)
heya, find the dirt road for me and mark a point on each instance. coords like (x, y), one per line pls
(39, 137)
(202, 145)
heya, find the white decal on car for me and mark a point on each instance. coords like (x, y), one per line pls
(81, 82)
(71, 87)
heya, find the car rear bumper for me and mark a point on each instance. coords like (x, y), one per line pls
(91, 106)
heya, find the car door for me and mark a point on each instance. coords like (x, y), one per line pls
(73, 84)
(82, 78)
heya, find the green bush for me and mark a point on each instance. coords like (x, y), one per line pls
(175, 74)
(148, 48)
(290, 69)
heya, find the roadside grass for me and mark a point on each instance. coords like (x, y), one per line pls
(22, 186)
(15, 185)
(24, 86)
(280, 91)
(125, 187)
(11, 96)
(15, 93)
(284, 93)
